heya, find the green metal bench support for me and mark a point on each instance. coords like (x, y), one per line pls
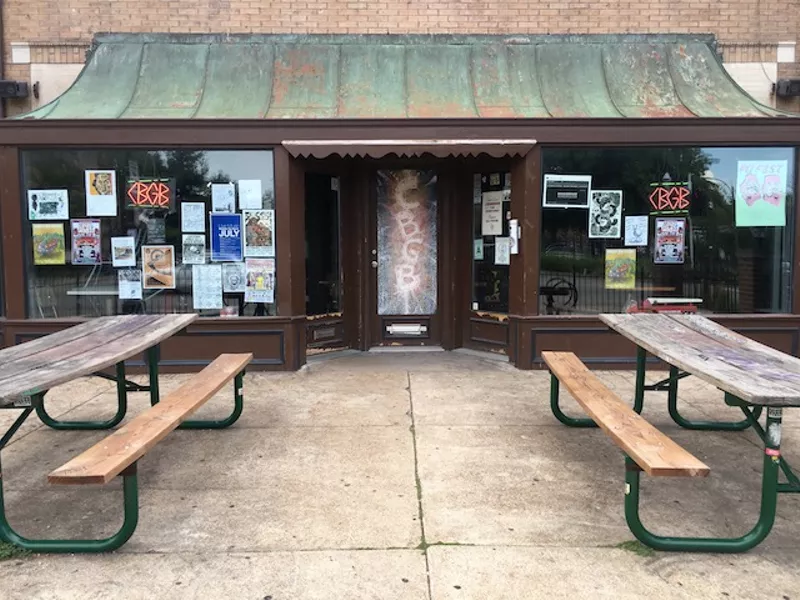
(130, 494)
(238, 397)
(769, 500)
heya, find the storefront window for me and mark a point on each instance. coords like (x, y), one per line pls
(140, 231)
(622, 225)
(491, 244)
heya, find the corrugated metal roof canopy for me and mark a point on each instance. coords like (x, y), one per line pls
(324, 77)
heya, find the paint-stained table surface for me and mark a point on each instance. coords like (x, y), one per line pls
(36, 366)
(736, 364)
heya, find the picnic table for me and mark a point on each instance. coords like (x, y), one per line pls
(29, 370)
(752, 377)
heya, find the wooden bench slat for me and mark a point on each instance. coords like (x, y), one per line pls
(108, 458)
(654, 452)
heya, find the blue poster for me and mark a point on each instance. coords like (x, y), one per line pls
(226, 237)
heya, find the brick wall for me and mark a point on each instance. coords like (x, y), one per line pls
(49, 25)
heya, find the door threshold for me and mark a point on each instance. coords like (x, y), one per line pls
(401, 349)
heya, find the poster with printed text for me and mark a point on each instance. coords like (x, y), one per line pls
(605, 214)
(48, 205)
(207, 287)
(670, 241)
(492, 213)
(85, 241)
(193, 217)
(123, 252)
(223, 198)
(260, 280)
(250, 194)
(49, 247)
(259, 233)
(156, 230)
(130, 284)
(761, 193)
(233, 278)
(620, 269)
(226, 237)
(158, 264)
(636, 230)
(101, 193)
(194, 249)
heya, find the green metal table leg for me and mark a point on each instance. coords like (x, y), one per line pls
(566, 420)
(672, 404)
(641, 370)
(122, 409)
(769, 501)
(238, 406)
(793, 485)
(153, 356)
(14, 427)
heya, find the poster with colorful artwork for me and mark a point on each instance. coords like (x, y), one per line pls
(48, 205)
(158, 263)
(670, 241)
(761, 193)
(260, 280)
(223, 197)
(193, 217)
(605, 214)
(620, 269)
(207, 287)
(233, 278)
(123, 251)
(48, 243)
(130, 284)
(194, 249)
(250, 194)
(226, 237)
(259, 233)
(636, 230)
(85, 241)
(101, 193)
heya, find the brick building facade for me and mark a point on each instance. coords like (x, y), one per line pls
(45, 41)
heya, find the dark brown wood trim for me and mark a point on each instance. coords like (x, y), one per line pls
(222, 133)
(794, 234)
(13, 249)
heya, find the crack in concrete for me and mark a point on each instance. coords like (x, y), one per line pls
(423, 542)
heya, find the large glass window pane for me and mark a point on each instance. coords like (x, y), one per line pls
(490, 241)
(323, 279)
(131, 231)
(712, 223)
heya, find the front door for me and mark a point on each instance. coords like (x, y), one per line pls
(404, 259)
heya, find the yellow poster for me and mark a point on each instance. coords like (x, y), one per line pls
(620, 269)
(48, 244)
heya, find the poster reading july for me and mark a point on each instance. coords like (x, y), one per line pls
(226, 237)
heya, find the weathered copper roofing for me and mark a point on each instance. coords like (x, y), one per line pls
(323, 77)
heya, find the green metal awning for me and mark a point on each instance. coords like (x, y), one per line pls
(326, 77)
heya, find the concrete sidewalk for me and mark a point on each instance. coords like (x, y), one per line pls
(396, 476)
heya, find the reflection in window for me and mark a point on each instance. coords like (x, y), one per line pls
(707, 223)
(490, 242)
(131, 231)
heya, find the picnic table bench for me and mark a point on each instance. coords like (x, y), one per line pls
(752, 377)
(29, 370)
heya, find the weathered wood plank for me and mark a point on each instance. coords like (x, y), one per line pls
(654, 452)
(34, 381)
(107, 330)
(108, 458)
(741, 370)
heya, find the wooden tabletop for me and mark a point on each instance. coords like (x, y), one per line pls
(36, 366)
(732, 362)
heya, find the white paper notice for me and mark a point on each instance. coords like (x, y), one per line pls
(101, 193)
(123, 252)
(476, 188)
(48, 205)
(233, 278)
(223, 197)
(513, 234)
(207, 287)
(130, 284)
(492, 213)
(250, 194)
(193, 217)
(502, 251)
(636, 231)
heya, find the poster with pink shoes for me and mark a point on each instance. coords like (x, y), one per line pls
(761, 193)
